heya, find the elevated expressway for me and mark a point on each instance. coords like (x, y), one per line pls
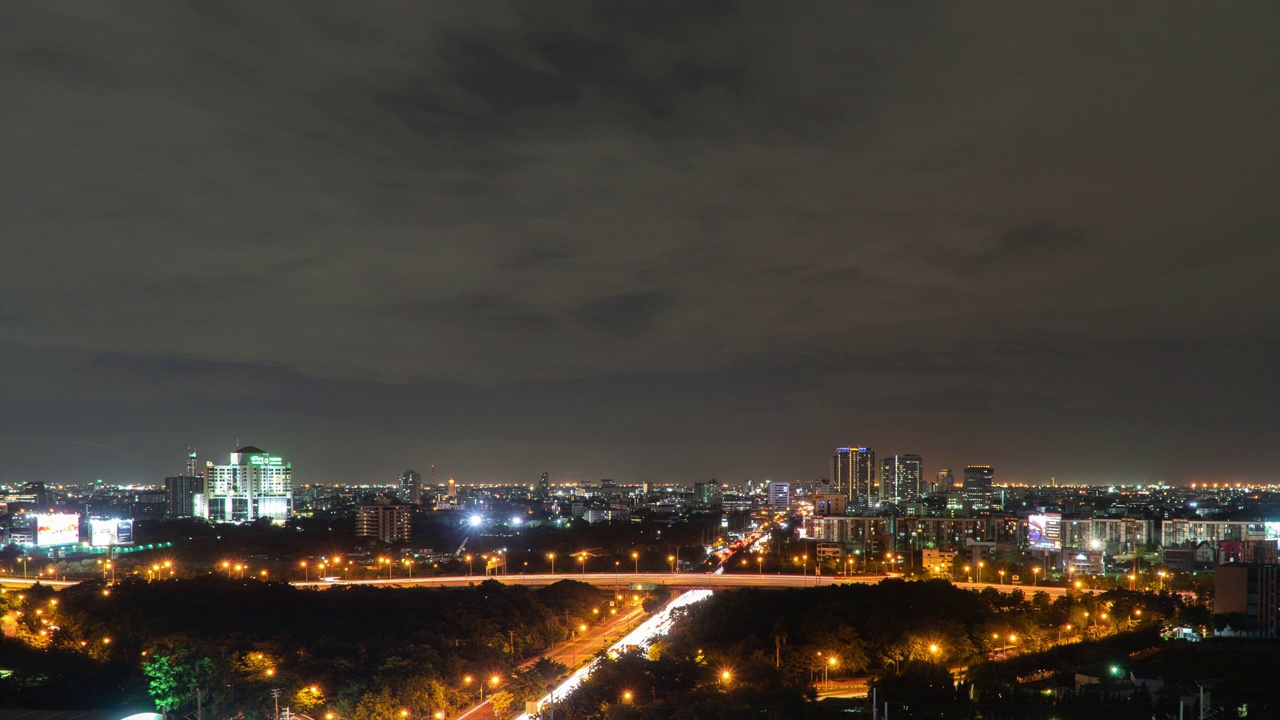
(683, 581)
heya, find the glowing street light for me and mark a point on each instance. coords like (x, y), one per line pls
(552, 556)
(1035, 576)
(981, 564)
(636, 557)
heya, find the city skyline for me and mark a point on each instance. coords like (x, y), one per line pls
(659, 243)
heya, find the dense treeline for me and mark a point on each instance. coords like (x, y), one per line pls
(762, 652)
(360, 652)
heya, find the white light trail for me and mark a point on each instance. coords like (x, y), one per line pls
(644, 634)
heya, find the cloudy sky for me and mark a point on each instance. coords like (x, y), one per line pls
(640, 241)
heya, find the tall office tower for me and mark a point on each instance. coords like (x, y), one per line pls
(779, 495)
(544, 485)
(842, 471)
(191, 463)
(946, 483)
(900, 478)
(253, 485)
(855, 476)
(411, 487)
(978, 482)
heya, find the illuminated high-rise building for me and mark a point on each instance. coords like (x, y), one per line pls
(253, 485)
(842, 471)
(979, 484)
(854, 476)
(411, 487)
(900, 478)
(544, 485)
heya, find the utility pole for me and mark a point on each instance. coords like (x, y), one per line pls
(275, 695)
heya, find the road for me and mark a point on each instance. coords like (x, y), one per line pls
(572, 653)
(675, 580)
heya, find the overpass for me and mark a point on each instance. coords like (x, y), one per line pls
(682, 581)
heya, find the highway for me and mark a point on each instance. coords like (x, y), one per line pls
(684, 581)
(673, 580)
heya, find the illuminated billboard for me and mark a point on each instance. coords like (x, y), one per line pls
(57, 529)
(104, 533)
(1044, 532)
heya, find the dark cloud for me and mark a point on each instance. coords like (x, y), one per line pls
(661, 240)
(628, 314)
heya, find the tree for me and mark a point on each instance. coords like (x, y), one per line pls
(174, 673)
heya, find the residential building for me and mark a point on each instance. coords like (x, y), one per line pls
(900, 477)
(411, 487)
(386, 522)
(1251, 591)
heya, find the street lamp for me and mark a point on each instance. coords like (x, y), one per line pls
(582, 558)
(306, 577)
(1001, 574)
(469, 571)
(552, 556)
(672, 559)
(759, 564)
(1161, 573)
(636, 557)
(1133, 581)
(409, 564)
(1035, 576)
(967, 576)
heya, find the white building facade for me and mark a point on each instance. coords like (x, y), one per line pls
(254, 485)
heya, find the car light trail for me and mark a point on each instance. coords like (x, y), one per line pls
(641, 637)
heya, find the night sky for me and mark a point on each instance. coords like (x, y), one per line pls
(614, 240)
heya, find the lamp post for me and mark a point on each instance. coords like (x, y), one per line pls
(760, 565)
(582, 558)
(23, 560)
(306, 576)
(1001, 574)
(636, 557)
(409, 563)
(469, 571)
(967, 575)
(552, 556)
(1035, 576)
(981, 565)
(1161, 574)
(672, 559)
(1133, 581)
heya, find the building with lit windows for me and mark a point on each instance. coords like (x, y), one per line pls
(854, 473)
(388, 523)
(253, 485)
(411, 487)
(779, 495)
(900, 477)
(979, 484)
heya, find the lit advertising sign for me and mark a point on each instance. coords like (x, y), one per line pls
(57, 530)
(104, 533)
(1044, 532)
(1271, 530)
